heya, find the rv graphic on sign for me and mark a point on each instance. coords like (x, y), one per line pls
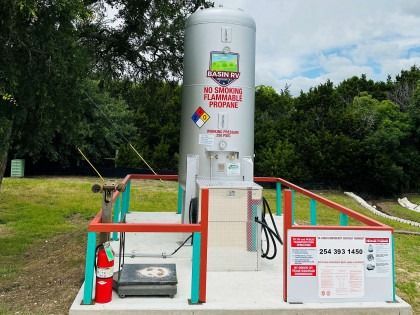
(224, 67)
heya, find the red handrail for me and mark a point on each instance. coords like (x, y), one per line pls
(331, 204)
(351, 213)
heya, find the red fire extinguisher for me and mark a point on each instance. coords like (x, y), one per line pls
(104, 273)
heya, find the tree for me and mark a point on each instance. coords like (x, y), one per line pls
(50, 48)
(412, 144)
(105, 125)
(148, 42)
(42, 65)
(350, 88)
(383, 129)
(404, 86)
(156, 106)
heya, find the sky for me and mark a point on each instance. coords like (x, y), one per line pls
(302, 43)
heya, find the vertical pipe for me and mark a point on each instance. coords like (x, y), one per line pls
(195, 270)
(287, 224)
(393, 269)
(128, 190)
(278, 198)
(116, 217)
(106, 217)
(293, 206)
(312, 206)
(89, 268)
(203, 249)
(344, 219)
(180, 199)
(126, 199)
(123, 203)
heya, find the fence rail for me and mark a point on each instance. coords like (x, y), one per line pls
(285, 199)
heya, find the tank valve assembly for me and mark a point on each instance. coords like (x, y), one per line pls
(107, 189)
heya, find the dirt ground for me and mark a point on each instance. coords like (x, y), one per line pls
(51, 278)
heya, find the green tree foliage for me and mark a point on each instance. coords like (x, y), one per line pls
(404, 87)
(273, 126)
(51, 49)
(350, 88)
(105, 125)
(147, 42)
(67, 78)
(41, 67)
(156, 106)
(380, 144)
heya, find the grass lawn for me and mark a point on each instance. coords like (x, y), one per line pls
(43, 228)
(414, 198)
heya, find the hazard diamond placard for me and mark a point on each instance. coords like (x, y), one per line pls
(200, 117)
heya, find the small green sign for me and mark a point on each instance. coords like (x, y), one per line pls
(108, 251)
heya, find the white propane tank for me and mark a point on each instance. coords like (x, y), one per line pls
(217, 120)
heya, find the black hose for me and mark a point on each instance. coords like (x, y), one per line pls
(121, 250)
(96, 253)
(180, 246)
(190, 211)
(271, 235)
(121, 253)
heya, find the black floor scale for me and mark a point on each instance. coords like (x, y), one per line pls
(144, 279)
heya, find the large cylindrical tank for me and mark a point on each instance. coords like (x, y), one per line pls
(217, 121)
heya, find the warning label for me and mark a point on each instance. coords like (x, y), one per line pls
(378, 257)
(223, 133)
(222, 97)
(200, 117)
(303, 256)
(303, 270)
(303, 242)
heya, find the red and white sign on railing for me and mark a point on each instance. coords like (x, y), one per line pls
(337, 263)
(340, 265)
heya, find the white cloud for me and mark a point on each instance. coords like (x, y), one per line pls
(341, 38)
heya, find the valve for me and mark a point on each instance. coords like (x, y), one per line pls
(107, 189)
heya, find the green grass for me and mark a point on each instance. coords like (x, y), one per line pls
(36, 209)
(393, 208)
(224, 66)
(414, 198)
(152, 195)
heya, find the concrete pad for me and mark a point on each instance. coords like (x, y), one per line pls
(238, 292)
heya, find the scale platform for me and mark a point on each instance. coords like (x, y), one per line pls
(146, 280)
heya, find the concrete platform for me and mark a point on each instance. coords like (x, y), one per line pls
(247, 292)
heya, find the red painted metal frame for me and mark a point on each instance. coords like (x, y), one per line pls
(96, 226)
(340, 227)
(351, 213)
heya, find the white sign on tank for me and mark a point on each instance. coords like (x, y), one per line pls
(217, 120)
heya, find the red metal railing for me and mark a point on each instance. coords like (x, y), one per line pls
(96, 226)
(331, 204)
